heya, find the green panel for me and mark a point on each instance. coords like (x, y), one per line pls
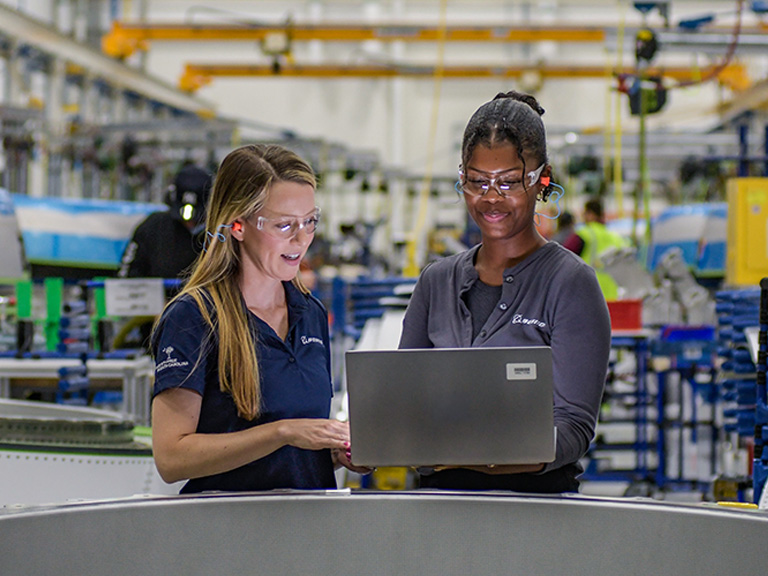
(24, 299)
(100, 298)
(53, 295)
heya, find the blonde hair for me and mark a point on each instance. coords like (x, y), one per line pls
(241, 188)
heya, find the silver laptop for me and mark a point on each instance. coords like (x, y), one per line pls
(450, 406)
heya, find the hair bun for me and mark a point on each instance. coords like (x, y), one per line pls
(521, 97)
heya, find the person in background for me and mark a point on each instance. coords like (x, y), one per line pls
(243, 368)
(516, 289)
(592, 240)
(566, 225)
(166, 243)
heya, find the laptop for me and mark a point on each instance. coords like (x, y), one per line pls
(450, 406)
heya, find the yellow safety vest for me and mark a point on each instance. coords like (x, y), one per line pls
(597, 239)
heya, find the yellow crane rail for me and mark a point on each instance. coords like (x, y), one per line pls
(197, 75)
(125, 38)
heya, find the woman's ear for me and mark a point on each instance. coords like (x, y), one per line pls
(546, 175)
(237, 230)
(545, 180)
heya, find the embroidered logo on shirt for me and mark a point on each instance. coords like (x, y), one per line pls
(169, 361)
(310, 339)
(518, 319)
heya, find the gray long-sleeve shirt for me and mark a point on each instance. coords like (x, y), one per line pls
(552, 298)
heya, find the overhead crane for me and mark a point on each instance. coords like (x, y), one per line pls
(197, 75)
(125, 38)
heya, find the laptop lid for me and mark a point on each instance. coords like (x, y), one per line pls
(450, 406)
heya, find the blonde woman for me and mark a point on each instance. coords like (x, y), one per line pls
(242, 378)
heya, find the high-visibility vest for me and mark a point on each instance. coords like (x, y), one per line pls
(597, 239)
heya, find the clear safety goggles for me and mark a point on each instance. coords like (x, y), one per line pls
(285, 227)
(504, 184)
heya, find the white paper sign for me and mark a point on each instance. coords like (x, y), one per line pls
(134, 296)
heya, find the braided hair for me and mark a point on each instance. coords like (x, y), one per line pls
(511, 117)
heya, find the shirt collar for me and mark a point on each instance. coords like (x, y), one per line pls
(295, 299)
(468, 274)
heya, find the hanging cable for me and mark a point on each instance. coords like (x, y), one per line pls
(618, 177)
(607, 119)
(716, 70)
(412, 268)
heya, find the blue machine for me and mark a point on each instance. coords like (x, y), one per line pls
(86, 233)
(699, 230)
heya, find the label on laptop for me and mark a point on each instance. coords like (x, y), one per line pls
(521, 371)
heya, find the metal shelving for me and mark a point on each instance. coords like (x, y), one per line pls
(657, 429)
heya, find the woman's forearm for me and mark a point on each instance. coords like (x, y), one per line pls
(196, 455)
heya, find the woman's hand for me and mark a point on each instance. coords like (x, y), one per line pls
(344, 458)
(315, 433)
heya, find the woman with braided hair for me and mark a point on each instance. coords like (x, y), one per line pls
(516, 289)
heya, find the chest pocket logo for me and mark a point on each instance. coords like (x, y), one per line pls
(311, 340)
(518, 319)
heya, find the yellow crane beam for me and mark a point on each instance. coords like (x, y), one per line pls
(197, 75)
(125, 38)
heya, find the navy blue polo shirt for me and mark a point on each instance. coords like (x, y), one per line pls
(295, 383)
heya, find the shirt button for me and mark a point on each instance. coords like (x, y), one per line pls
(483, 333)
(503, 306)
(509, 279)
(291, 359)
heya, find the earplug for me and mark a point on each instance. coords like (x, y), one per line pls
(236, 226)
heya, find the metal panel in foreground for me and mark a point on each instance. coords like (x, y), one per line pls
(382, 533)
